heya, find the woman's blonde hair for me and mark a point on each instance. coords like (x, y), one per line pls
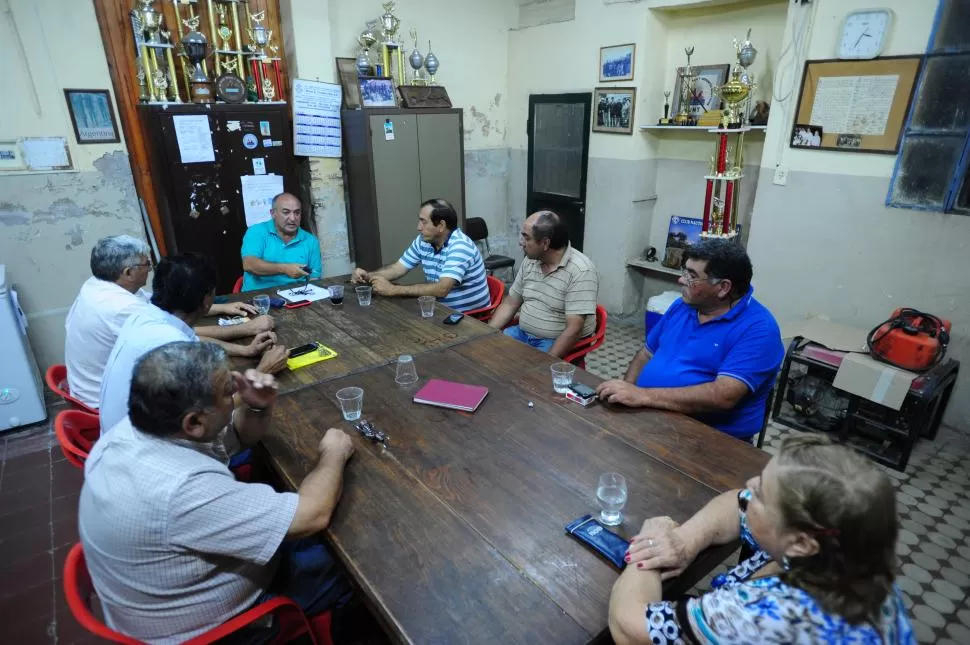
(849, 506)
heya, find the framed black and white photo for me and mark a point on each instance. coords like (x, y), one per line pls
(613, 109)
(376, 91)
(704, 98)
(347, 71)
(617, 62)
(806, 136)
(853, 141)
(92, 115)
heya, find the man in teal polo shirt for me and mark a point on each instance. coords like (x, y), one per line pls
(715, 353)
(279, 252)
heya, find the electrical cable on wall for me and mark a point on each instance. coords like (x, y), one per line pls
(798, 46)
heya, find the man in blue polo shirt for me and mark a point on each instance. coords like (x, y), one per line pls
(452, 265)
(715, 353)
(278, 251)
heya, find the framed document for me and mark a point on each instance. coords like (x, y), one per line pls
(92, 115)
(860, 105)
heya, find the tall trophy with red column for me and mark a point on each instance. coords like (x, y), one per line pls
(726, 170)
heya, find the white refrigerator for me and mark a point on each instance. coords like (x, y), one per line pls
(21, 387)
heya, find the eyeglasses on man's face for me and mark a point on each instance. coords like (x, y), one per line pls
(691, 280)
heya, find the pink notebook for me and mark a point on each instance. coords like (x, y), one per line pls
(447, 394)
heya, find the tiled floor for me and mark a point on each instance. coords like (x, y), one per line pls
(39, 490)
(933, 498)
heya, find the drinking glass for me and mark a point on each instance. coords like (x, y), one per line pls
(611, 494)
(562, 376)
(406, 372)
(351, 400)
(336, 294)
(261, 302)
(364, 295)
(427, 306)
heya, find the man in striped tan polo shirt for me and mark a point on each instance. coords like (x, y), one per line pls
(452, 264)
(554, 292)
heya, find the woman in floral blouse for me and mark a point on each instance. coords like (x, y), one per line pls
(822, 522)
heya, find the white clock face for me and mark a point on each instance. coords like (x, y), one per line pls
(864, 33)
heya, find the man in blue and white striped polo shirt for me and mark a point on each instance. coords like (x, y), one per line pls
(451, 262)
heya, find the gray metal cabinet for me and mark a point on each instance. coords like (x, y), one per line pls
(395, 160)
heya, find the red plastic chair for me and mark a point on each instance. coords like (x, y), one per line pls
(586, 345)
(496, 291)
(78, 589)
(76, 432)
(56, 378)
(237, 288)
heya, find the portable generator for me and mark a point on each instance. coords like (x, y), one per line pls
(910, 339)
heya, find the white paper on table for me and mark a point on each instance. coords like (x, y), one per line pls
(194, 138)
(258, 192)
(316, 119)
(311, 292)
(44, 153)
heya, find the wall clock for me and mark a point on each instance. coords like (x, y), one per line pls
(864, 33)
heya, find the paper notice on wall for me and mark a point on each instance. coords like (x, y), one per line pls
(46, 153)
(316, 119)
(854, 104)
(194, 138)
(258, 192)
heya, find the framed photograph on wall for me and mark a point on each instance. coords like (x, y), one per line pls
(92, 115)
(617, 62)
(709, 77)
(376, 91)
(613, 109)
(347, 73)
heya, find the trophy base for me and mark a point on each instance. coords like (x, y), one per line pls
(202, 92)
(663, 122)
(707, 235)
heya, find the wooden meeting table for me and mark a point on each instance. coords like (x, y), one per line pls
(454, 533)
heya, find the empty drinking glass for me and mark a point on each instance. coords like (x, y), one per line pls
(351, 400)
(406, 372)
(261, 302)
(336, 294)
(611, 494)
(427, 306)
(364, 295)
(562, 376)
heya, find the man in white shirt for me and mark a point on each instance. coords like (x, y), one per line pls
(120, 266)
(174, 544)
(182, 293)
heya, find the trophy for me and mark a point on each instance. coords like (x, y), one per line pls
(366, 40)
(687, 78)
(416, 60)
(229, 86)
(151, 20)
(392, 55)
(736, 90)
(746, 55)
(666, 119)
(431, 64)
(259, 35)
(196, 49)
(224, 31)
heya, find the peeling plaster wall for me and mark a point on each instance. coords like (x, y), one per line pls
(49, 222)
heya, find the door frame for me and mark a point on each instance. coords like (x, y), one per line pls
(573, 97)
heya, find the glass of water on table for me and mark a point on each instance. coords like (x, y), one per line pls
(562, 376)
(611, 495)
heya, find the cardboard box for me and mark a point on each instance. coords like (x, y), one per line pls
(859, 373)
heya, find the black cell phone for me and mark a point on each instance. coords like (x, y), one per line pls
(304, 349)
(583, 391)
(453, 319)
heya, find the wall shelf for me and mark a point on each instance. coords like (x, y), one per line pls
(698, 128)
(652, 267)
(675, 5)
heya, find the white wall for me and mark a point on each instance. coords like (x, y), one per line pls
(49, 222)
(826, 242)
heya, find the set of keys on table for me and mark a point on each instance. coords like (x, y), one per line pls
(370, 432)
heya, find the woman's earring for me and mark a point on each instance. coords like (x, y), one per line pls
(785, 563)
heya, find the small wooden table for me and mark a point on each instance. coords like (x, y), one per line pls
(454, 533)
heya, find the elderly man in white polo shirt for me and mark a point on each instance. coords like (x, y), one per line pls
(174, 544)
(120, 266)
